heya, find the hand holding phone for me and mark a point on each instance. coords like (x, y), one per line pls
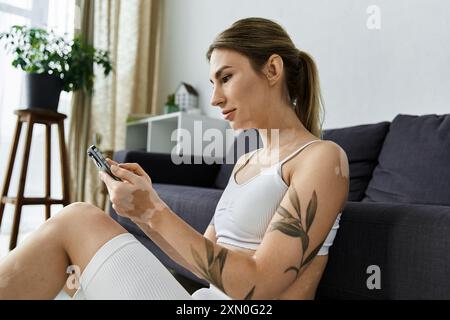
(100, 161)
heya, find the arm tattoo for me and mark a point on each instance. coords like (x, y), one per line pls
(293, 227)
(211, 269)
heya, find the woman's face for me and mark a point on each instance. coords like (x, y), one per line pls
(238, 90)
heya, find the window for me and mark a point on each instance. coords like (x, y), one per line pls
(50, 14)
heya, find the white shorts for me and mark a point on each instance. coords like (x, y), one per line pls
(124, 269)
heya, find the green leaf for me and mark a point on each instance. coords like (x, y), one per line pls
(249, 295)
(288, 229)
(293, 221)
(215, 274)
(222, 257)
(312, 254)
(209, 252)
(38, 51)
(311, 211)
(198, 260)
(294, 200)
(283, 212)
(305, 240)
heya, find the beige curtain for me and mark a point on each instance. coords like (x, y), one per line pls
(81, 110)
(130, 30)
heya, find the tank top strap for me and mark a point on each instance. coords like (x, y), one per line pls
(251, 154)
(296, 152)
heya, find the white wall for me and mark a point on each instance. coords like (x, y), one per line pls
(366, 75)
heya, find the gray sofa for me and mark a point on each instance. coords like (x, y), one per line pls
(397, 217)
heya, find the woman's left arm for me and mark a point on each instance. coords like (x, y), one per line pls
(317, 193)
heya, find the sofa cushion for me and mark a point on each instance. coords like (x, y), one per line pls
(198, 171)
(414, 163)
(193, 204)
(362, 144)
(409, 243)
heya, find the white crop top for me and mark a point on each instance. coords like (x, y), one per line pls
(245, 210)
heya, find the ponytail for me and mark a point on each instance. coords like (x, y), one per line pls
(308, 99)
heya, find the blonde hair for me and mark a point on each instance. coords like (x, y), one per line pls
(258, 39)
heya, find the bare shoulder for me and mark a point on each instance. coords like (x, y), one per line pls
(324, 168)
(324, 155)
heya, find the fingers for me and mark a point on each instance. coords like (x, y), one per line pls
(111, 162)
(133, 167)
(124, 174)
(106, 178)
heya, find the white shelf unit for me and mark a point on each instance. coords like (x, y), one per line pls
(154, 134)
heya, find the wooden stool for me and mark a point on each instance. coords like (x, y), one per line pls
(33, 116)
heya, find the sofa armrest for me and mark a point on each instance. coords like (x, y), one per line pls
(161, 168)
(409, 243)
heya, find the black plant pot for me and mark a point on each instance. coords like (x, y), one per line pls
(43, 91)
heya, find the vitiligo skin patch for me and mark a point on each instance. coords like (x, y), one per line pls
(343, 168)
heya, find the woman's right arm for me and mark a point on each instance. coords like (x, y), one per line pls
(159, 241)
(166, 247)
(210, 234)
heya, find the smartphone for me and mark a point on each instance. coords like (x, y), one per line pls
(100, 161)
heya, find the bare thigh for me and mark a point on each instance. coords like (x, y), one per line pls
(83, 230)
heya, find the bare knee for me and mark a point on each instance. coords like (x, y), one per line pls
(80, 211)
(82, 208)
(85, 219)
(83, 229)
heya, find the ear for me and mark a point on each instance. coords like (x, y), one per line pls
(274, 69)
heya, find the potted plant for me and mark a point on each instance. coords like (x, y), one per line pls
(170, 105)
(52, 64)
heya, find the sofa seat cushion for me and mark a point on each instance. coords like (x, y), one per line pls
(409, 243)
(414, 163)
(193, 204)
(362, 145)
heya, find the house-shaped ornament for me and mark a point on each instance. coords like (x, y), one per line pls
(186, 97)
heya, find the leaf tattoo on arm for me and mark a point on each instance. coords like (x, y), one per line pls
(211, 269)
(292, 226)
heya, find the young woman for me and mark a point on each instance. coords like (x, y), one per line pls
(273, 225)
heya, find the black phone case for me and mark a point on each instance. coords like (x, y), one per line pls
(100, 161)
